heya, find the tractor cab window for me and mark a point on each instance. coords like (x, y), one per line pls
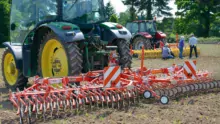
(22, 19)
(142, 27)
(129, 26)
(47, 9)
(150, 27)
(134, 28)
(83, 11)
(25, 14)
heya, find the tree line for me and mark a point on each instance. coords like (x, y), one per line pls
(4, 20)
(201, 17)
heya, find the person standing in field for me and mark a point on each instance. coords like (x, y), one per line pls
(181, 45)
(193, 44)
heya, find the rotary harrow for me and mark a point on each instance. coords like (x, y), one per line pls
(111, 88)
(157, 52)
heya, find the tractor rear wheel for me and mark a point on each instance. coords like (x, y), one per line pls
(125, 59)
(57, 59)
(12, 77)
(138, 42)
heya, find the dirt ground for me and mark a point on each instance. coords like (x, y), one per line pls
(196, 109)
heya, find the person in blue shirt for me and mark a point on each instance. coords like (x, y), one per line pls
(193, 43)
(181, 45)
(166, 52)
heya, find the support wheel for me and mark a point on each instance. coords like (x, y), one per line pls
(57, 58)
(147, 94)
(12, 77)
(164, 100)
(125, 59)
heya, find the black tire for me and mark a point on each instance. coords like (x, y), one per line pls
(144, 94)
(146, 42)
(125, 59)
(21, 81)
(166, 100)
(72, 51)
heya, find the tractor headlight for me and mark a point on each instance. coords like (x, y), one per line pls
(70, 33)
(123, 32)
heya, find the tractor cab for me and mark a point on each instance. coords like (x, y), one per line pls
(29, 14)
(144, 32)
(83, 11)
(55, 38)
(87, 14)
(142, 26)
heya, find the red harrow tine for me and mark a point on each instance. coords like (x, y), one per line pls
(96, 95)
(28, 108)
(116, 98)
(87, 100)
(74, 102)
(50, 106)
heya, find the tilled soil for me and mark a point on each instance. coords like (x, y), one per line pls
(202, 108)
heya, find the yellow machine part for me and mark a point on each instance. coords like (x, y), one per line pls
(10, 70)
(54, 58)
(157, 53)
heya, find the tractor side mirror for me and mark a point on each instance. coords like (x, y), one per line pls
(13, 26)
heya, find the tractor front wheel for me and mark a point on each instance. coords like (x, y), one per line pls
(57, 59)
(125, 59)
(12, 77)
(138, 42)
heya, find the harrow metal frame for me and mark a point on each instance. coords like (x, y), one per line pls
(73, 93)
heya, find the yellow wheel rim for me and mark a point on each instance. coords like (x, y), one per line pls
(54, 60)
(10, 70)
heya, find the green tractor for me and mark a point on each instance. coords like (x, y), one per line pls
(54, 38)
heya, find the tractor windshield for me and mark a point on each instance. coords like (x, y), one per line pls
(83, 11)
(132, 27)
(25, 14)
(150, 27)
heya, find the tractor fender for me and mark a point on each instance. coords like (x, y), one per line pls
(146, 35)
(110, 32)
(16, 52)
(160, 35)
(122, 34)
(141, 34)
(64, 35)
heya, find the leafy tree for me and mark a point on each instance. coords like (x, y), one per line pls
(113, 18)
(155, 8)
(4, 20)
(201, 12)
(109, 9)
(215, 27)
(166, 25)
(124, 17)
(182, 26)
(133, 4)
